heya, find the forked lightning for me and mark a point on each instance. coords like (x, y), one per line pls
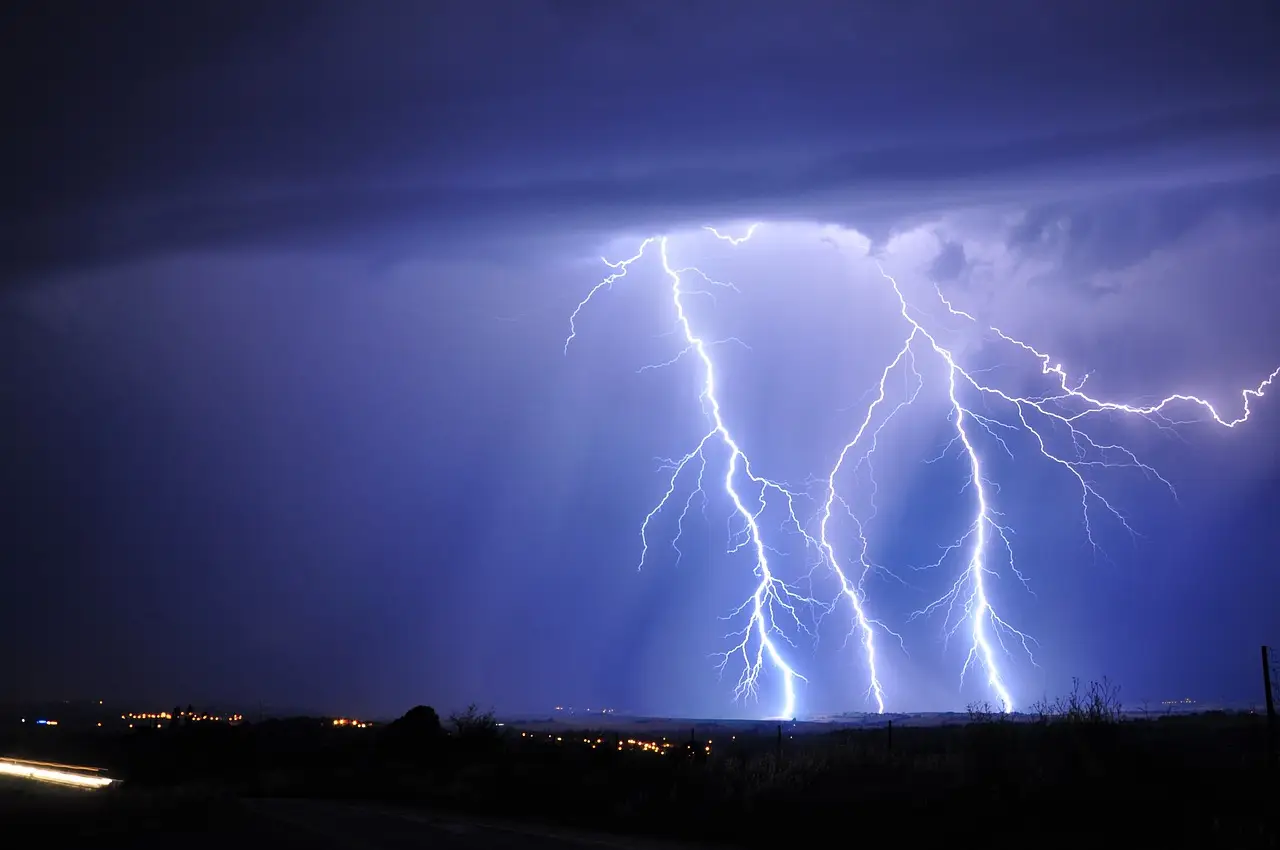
(1054, 422)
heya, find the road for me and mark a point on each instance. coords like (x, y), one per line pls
(341, 826)
(325, 825)
(67, 817)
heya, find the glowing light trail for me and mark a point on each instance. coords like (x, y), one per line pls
(44, 772)
(775, 603)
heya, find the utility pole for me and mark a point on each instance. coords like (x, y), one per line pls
(1271, 704)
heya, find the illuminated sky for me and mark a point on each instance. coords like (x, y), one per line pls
(286, 291)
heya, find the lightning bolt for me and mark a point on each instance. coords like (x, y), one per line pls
(773, 601)
(1055, 423)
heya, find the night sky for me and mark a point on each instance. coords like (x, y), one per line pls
(289, 418)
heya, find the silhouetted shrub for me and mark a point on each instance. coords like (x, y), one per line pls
(475, 727)
(421, 721)
(415, 736)
(1098, 704)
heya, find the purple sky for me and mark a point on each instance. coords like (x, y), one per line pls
(286, 288)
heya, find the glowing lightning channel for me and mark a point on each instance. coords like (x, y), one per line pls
(968, 601)
(970, 590)
(772, 598)
(733, 240)
(621, 267)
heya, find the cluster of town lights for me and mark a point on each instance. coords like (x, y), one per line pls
(158, 716)
(660, 747)
(354, 724)
(165, 715)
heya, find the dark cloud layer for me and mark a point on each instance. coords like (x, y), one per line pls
(318, 124)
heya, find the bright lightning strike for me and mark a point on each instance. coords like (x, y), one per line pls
(773, 601)
(1054, 423)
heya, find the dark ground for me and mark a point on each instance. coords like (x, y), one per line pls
(72, 818)
(1081, 775)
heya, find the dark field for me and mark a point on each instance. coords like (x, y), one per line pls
(1204, 778)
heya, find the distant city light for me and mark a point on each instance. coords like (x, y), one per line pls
(183, 715)
(622, 744)
(355, 724)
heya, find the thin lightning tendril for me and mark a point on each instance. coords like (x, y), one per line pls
(1053, 422)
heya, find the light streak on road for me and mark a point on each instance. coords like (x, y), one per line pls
(58, 774)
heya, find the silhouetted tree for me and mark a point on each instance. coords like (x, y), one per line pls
(420, 721)
(415, 735)
(473, 726)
